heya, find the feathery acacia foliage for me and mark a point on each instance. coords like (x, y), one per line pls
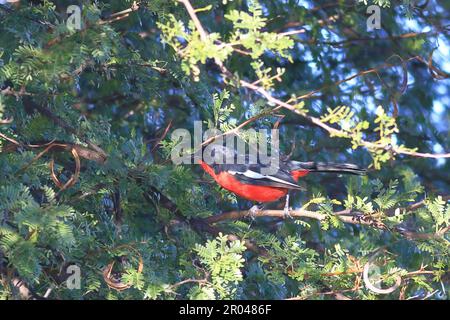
(85, 175)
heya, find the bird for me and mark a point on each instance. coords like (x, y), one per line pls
(251, 181)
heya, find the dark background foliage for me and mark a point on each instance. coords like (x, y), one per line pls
(85, 123)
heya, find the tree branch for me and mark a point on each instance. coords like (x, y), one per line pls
(281, 104)
(346, 216)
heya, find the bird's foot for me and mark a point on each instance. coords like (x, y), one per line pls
(253, 211)
(287, 212)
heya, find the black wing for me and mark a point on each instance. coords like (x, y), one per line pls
(252, 174)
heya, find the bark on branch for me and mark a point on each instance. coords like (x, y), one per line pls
(346, 216)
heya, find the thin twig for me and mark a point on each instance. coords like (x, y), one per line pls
(331, 130)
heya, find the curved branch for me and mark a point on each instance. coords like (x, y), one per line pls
(370, 285)
(281, 104)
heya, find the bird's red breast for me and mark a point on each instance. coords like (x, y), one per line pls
(297, 174)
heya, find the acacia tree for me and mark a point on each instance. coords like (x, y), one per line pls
(86, 181)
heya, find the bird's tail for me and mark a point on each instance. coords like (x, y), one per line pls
(327, 167)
